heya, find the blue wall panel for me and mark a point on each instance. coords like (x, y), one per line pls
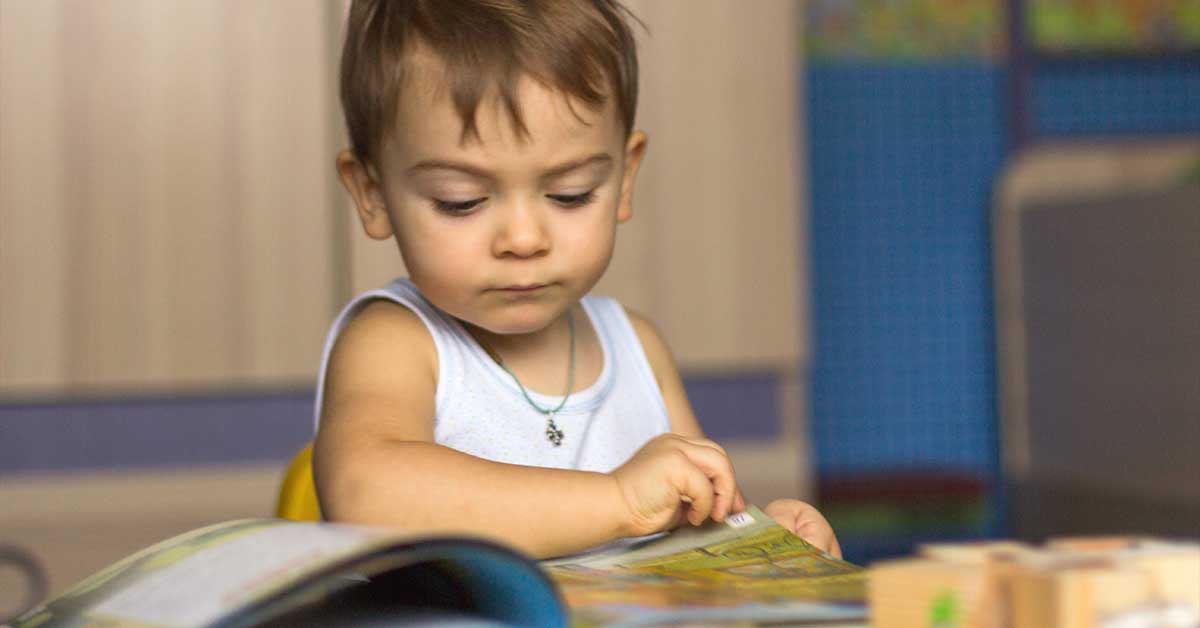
(1117, 97)
(902, 160)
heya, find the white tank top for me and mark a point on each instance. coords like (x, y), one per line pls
(480, 409)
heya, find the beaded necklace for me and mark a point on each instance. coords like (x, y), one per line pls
(554, 434)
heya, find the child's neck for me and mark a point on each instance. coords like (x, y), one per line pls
(541, 359)
(545, 343)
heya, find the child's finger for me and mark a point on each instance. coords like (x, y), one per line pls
(812, 527)
(711, 444)
(739, 502)
(726, 503)
(695, 489)
(786, 513)
(718, 469)
(727, 491)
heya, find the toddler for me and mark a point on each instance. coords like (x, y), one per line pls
(489, 393)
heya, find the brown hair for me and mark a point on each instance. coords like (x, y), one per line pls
(583, 48)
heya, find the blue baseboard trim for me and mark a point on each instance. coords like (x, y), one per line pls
(214, 429)
(153, 431)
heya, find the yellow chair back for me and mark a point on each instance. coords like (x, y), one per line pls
(297, 493)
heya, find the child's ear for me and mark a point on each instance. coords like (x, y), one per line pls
(635, 149)
(368, 197)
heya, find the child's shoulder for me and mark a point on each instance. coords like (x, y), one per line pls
(382, 319)
(376, 334)
(366, 389)
(381, 315)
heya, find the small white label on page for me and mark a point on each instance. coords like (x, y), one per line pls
(739, 520)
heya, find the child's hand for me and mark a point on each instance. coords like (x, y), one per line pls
(672, 478)
(805, 522)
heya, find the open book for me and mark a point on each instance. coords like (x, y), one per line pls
(259, 572)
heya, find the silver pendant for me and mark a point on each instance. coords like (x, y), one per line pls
(553, 434)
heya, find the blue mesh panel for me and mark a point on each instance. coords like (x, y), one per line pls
(902, 159)
(1118, 97)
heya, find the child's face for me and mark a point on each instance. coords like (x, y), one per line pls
(503, 232)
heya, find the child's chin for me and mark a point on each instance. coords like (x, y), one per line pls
(515, 328)
(524, 321)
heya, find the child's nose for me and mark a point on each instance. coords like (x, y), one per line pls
(522, 233)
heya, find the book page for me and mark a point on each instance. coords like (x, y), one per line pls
(748, 568)
(201, 576)
(201, 587)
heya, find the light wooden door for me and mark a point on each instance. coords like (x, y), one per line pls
(166, 186)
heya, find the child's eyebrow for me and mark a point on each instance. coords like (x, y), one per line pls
(599, 159)
(442, 164)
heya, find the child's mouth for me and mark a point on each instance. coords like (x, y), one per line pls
(524, 289)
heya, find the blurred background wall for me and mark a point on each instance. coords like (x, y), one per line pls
(920, 114)
(817, 233)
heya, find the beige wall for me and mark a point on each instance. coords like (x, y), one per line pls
(165, 194)
(713, 252)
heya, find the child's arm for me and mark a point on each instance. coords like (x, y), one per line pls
(801, 518)
(375, 461)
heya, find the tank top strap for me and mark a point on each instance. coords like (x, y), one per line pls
(620, 338)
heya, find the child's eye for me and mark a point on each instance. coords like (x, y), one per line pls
(572, 200)
(457, 207)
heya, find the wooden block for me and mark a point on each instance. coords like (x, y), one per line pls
(1080, 595)
(924, 593)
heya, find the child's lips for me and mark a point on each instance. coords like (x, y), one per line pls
(523, 288)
